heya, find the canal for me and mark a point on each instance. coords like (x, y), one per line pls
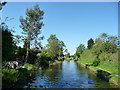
(67, 74)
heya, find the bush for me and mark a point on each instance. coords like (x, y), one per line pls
(43, 60)
(102, 56)
(33, 56)
(104, 75)
(114, 57)
(61, 58)
(30, 67)
(21, 51)
(16, 77)
(88, 55)
(9, 76)
(96, 62)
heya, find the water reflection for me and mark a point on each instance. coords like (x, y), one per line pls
(66, 75)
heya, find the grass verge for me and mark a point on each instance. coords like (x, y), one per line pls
(107, 66)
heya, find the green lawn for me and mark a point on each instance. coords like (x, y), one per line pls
(86, 61)
(107, 66)
(112, 67)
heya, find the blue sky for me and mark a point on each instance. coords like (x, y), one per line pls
(73, 23)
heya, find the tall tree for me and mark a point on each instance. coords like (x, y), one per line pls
(90, 43)
(61, 48)
(31, 26)
(55, 47)
(80, 49)
(104, 37)
(67, 55)
(8, 44)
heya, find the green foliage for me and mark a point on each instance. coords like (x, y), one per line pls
(80, 50)
(90, 43)
(55, 47)
(114, 57)
(16, 77)
(96, 62)
(21, 51)
(108, 47)
(30, 67)
(8, 45)
(31, 26)
(51, 38)
(88, 55)
(67, 55)
(43, 60)
(103, 54)
(10, 74)
(33, 55)
(2, 4)
(60, 58)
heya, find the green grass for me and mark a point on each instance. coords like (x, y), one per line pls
(115, 78)
(108, 66)
(112, 67)
(86, 61)
(94, 67)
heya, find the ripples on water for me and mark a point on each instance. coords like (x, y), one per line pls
(66, 75)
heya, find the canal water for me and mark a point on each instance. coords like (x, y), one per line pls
(67, 74)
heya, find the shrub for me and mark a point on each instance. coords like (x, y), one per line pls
(43, 60)
(88, 55)
(9, 75)
(30, 67)
(96, 62)
(33, 55)
(61, 58)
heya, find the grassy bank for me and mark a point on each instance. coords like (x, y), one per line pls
(107, 67)
(55, 62)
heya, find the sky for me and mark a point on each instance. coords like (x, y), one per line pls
(74, 23)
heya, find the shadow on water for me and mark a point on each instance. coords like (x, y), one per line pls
(67, 75)
(103, 75)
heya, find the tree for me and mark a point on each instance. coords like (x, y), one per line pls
(90, 43)
(109, 47)
(104, 37)
(31, 26)
(113, 39)
(2, 4)
(67, 55)
(51, 38)
(55, 47)
(105, 43)
(80, 49)
(8, 44)
(61, 48)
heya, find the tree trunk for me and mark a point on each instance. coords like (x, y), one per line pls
(27, 54)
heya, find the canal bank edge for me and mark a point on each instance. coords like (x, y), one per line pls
(111, 81)
(55, 62)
